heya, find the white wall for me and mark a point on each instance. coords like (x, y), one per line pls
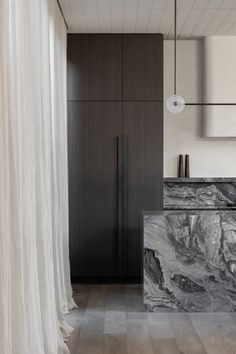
(209, 157)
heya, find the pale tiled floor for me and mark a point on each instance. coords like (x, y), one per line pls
(110, 319)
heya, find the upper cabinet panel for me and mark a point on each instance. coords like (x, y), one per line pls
(142, 67)
(105, 67)
(95, 67)
(77, 67)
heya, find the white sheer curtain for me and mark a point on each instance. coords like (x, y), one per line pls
(35, 290)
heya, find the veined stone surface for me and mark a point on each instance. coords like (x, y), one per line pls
(190, 261)
(202, 194)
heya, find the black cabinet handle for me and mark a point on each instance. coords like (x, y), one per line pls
(122, 207)
(125, 205)
(120, 201)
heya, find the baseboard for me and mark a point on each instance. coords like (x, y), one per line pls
(106, 280)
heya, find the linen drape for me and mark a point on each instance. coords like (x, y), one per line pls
(35, 290)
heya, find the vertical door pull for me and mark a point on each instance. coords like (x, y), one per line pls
(125, 205)
(120, 201)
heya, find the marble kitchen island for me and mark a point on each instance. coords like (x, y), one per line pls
(190, 261)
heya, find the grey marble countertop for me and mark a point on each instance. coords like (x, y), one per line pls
(189, 207)
(200, 180)
(180, 210)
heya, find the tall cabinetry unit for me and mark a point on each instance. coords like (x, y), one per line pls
(115, 143)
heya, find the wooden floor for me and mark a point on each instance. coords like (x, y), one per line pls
(110, 319)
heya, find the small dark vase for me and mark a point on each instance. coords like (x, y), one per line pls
(181, 166)
(187, 171)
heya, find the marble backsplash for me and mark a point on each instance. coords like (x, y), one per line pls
(199, 193)
(190, 261)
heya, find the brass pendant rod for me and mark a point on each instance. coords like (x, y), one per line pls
(175, 44)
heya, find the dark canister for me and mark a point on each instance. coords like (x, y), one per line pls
(181, 166)
(187, 170)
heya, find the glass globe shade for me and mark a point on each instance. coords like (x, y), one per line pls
(175, 104)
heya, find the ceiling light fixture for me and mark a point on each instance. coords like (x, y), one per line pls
(176, 103)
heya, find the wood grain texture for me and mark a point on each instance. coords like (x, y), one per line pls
(214, 330)
(142, 67)
(110, 319)
(163, 338)
(143, 124)
(185, 334)
(77, 67)
(105, 67)
(94, 67)
(93, 129)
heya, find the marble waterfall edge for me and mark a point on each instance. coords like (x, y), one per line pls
(190, 261)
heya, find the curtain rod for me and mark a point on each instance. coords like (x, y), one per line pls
(59, 5)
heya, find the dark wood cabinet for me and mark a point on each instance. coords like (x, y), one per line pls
(105, 67)
(95, 67)
(143, 128)
(143, 67)
(115, 146)
(77, 67)
(93, 129)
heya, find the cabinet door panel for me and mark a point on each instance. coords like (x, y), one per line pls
(95, 67)
(77, 67)
(92, 141)
(105, 67)
(143, 124)
(143, 67)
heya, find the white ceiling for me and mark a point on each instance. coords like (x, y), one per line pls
(196, 18)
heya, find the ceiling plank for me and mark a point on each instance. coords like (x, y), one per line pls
(182, 14)
(228, 4)
(200, 4)
(117, 16)
(143, 13)
(67, 12)
(167, 18)
(130, 15)
(214, 4)
(206, 17)
(232, 30)
(91, 15)
(155, 20)
(191, 23)
(104, 15)
(217, 20)
(227, 23)
(79, 23)
(159, 4)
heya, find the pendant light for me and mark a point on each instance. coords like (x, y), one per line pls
(176, 103)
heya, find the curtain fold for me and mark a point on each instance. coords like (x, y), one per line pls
(35, 289)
